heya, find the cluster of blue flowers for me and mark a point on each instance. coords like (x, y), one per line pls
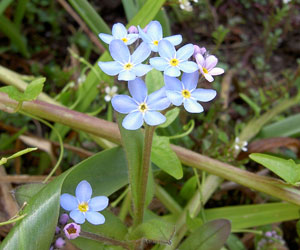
(141, 107)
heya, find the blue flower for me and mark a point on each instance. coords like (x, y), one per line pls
(119, 32)
(141, 107)
(83, 206)
(185, 92)
(127, 66)
(155, 34)
(172, 61)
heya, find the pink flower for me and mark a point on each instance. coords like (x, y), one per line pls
(198, 50)
(207, 66)
(72, 230)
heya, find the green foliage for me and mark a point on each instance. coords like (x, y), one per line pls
(154, 80)
(288, 170)
(31, 92)
(171, 115)
(210, 236)
(219, 35)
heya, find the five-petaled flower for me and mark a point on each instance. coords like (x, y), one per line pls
(207, 66)
(72, 230)
(155, 34)
(127, 66)
(141, 107)
(83, 206)
(119, 32)
(185, 92)
(110, 92)
(172, 61)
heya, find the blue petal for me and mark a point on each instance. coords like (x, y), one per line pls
(144, 36)
(68, 202)
(159, 63)
(95, 218)
(106, 38)
(153, 47)
(119, 31)
(124, 104)
(138, 90)
(154, 118)
(141, 53)
(156, 95)
(98, 203)
(132, 38)
(126, 75)
(172, 83)
(188, 66)
(190, 80)
(133, 121)
(185, 52)
(204, 95)
(141, 69)
(77, 216)
(119, 51)
(154, 30)
(166, 49)
(192, 106)
(172, 71)
(110, 68)
(160, 104)
(175, 40)
(83, 191)
(175, 97)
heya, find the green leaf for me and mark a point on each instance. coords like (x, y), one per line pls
(25, 192)
(210, 236)
(106, 172)
(31, 92)
(189, 188)
(251, 103)
(193, 223)
(247, 216)
(234, 243)
(164, 157)
(171, 115)
(3, 5)
(288, 170)
(155, 230)
(154, 80)
(34, 89)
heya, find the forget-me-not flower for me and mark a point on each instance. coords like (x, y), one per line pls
(119, 32)
(83, 206)
(207, 66)
(155, 34)
(141, 107)
(72, 230)
(127, 66)
(185, 92)
(172, 61)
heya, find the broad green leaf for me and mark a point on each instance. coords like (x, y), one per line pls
(234, 243)
(210, 236)
(189, 188)
(164, 157)
(88, 244)
(130, 8)
(13, 93)
(106, 171)
(171, 115)
(247, 216)
(284, 128)
(34, 89)
(193, 223)
(154, 80)
(286, 169)
(25, 192)
(155, 230)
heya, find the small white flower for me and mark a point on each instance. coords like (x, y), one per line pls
(81, 79)
(185, 5)
(110, 93)
(240, 145)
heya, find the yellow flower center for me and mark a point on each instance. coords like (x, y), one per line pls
(155, 42)
(174, 62)
(205, 70)
(143, 107)
(83, 207)
(185, 93)
(128, 66)
(125, 40)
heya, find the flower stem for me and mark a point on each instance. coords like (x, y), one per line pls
(143, 178)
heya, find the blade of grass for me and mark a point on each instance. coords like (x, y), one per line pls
(3, 5)
(19, 12)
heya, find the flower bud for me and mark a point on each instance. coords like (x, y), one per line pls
(133, 30)
(60, 242)
(63, 219)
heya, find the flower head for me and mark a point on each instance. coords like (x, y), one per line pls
(155, 34)
(141, 107)
(60, 242)
(185, 92)
(207, 66)
(110, 92)
(172, 61)
(83, 206)
(127, 66)
(240, 145)
(198, 50)
(72, 230)
(119, 32)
